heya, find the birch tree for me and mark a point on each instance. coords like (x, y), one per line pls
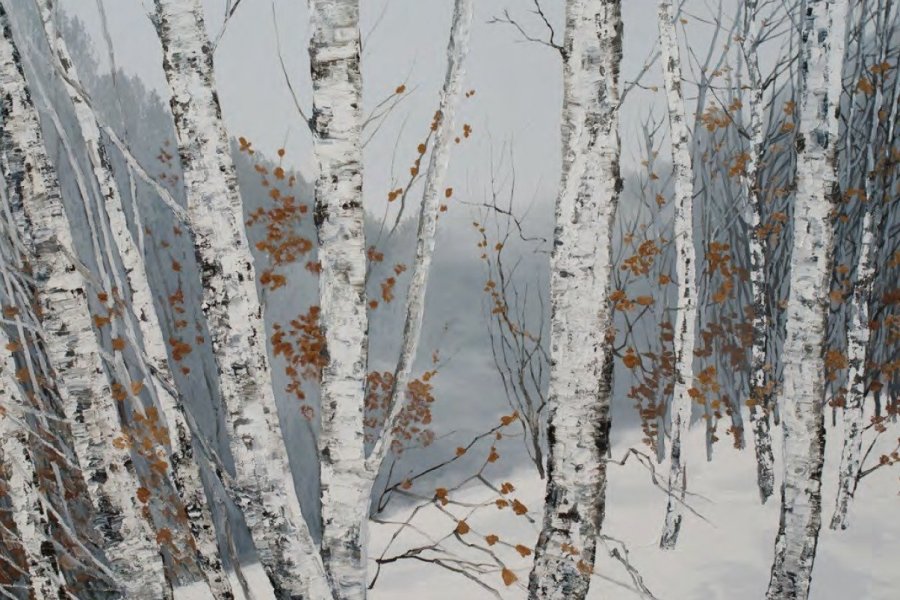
(347, 474)
(759, 397)
(184, 471)
(874, 220)
(822, 53)
(72, 345)
(17, 485)
(336, 123)
(580, 363)
(435, 190)
(685, 271)
(262, 479)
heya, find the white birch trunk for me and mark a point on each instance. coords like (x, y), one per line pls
(184, 471)
(435, 180)
(579, 395)
(685, 270)
(802, 409)
(17, 470)
(858, 327)
(232, 308)
(334, 50)
(72, 346)
(759, 397)
(854, 403)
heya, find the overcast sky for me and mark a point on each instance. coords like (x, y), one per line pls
(517, 83)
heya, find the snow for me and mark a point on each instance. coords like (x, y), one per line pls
(727, 557)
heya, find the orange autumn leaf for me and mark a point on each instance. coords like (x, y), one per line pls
(865, 86)
(164, 536)
(491, 539)
(519, 508)
(523, 550)
(118, 392)
(509, 577)
(508, 419)
(143, 495)
(462, 528)
(118, 344)
(631, 359)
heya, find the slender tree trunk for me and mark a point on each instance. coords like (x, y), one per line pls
(802, 414)
(17, 485)
(347, 476)
(72, 345)
(685, 269)
(858, 334)
(759, 394)
(334, 51)
(184, 471)
(434, 194)
(232, 309)
(580, 377)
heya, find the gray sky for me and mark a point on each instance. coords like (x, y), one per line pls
(517, 83)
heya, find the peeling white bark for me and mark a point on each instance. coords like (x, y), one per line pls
(17, 469)
(581, 361)
(821, 60)
(72, 346)
(759, 409)
(435, 185)
(858, 333)
(232, 308)
(336, 123)
(854, 404)
(685, 270)
(184, 471)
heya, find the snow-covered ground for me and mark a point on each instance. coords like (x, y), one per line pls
(727, 556)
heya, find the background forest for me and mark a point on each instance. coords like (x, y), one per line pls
(313, 300)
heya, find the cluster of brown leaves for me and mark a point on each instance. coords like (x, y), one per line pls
(302, 347)
(282, 244)
(413, 420)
